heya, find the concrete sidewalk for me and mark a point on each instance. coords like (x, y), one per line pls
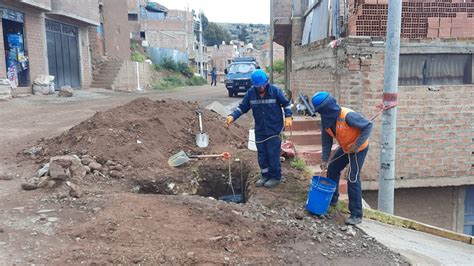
(418, 247)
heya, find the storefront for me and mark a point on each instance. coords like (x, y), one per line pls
(16, 54)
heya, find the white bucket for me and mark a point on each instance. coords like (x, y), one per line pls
(251, 144)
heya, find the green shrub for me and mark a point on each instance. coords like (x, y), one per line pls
(279, 65)
(298, 164)
(196, 81)
(138, 57)
(184, 69)
(169, 64)
(169, 82)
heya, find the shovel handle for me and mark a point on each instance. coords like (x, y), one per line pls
(224, 155)
(200, 121)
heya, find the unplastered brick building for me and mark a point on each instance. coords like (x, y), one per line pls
(161, 27)
(47, 37)
(338, 47)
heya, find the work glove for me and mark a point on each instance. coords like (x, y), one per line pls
(353, 149)
(288, 121)
(324, 166)
(229, 121)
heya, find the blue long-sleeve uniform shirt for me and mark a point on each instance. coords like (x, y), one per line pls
(266, 110)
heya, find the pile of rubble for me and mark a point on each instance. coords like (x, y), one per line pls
(131, 142)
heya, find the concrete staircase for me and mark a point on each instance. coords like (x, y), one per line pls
(106, 74)
(306, 136)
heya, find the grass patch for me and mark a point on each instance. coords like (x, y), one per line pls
(298, 164)
(196, 81)
(138, 57)
(169, 82)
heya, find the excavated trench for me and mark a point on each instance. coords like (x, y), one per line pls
(213, 180)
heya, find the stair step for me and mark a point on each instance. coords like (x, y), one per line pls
(310, 137)
(303, 123)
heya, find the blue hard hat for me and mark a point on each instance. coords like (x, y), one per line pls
(319, 98)
(259, 78)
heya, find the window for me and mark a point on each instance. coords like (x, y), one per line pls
(132, 17)
(435, 69)
(242, 68)
(142, 35)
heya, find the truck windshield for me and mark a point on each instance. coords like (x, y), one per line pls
(242, 68)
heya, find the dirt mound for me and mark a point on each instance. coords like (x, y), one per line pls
(135, 140)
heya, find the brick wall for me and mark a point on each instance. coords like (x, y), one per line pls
(434, 206)
(220, 55)
(175, 32)
(84, 9)
(127, 77)
(36, 44)
(116, 29)
(282, 8)
(434, 134)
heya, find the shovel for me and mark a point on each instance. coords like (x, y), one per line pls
(181, 158)
(202, 139)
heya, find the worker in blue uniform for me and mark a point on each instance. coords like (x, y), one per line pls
(266, 102)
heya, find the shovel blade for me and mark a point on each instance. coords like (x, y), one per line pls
(178, 159)
(202, 140)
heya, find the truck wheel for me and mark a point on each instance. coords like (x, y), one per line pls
(236, 94)
(231, 93)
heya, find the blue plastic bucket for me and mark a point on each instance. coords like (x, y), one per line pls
(320, 195)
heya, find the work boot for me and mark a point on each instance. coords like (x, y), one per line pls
(353, 220)
(261, 182)
(272, 183)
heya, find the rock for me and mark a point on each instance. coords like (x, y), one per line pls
(344, 228)
(117, 167)
(63, 167)
(350, 231)
(43, 171)
(88, 169)
(59, 168)
(110, 163)
(2, 230)
(43, 182)
(115, 174)
(52, 219)
(51, 183)
(364, 245)
(73, 190)
(66, 91)
(339, 245)
(28, 186)
(95, 166)
(87, 160)
(33, 150)
(299, 215)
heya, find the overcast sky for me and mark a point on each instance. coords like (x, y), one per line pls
(237, 11)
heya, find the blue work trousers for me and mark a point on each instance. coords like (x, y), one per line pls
(354, 188)
(269, 157)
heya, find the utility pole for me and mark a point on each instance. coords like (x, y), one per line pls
(389, 117)
(270, 56)
(200, 46)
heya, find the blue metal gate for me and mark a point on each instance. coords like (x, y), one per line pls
(469, 211)
(63, 54)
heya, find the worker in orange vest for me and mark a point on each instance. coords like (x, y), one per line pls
(351, 130)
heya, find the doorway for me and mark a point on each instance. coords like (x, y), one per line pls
(16, 56)
(63, 54)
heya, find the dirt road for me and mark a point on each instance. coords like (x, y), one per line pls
(110, 224)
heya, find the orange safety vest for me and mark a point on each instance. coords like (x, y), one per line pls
(346, 136)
